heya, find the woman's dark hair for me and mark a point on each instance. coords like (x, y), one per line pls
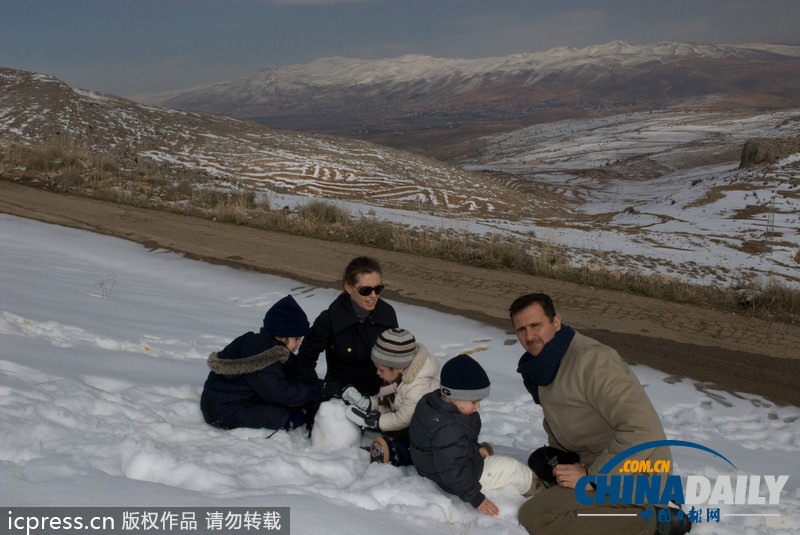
(523, 302)
(358, 266)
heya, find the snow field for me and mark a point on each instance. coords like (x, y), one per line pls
(99, 401)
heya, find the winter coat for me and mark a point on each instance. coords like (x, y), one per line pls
(445, 448)
(421, 377)
(347, 343)
(249, 384)
(597, 407)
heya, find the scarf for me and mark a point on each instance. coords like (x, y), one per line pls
(388, 391)
(361, 313)
(541, 370)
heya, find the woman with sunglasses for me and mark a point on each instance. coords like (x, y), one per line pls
(348, 329)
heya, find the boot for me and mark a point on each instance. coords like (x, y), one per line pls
(379, 451)
(678, 523)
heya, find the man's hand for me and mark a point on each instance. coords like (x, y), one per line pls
(487, 507)
(567, 475)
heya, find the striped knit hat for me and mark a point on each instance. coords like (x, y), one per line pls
(395, 348)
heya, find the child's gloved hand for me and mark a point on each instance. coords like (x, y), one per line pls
(352, 396)
(329, 389)
(365, 419)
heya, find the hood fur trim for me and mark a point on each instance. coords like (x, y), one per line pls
(250, 364)
(420, 359)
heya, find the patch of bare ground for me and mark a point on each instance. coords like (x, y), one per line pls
(749, 211)
(753, 246)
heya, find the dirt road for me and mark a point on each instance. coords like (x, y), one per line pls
(714, 349)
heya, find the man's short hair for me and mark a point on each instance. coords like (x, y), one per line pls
(524, 301)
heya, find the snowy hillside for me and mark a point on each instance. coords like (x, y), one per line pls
(103, 361)
(655, 192)
(662, 191)
(231, 153)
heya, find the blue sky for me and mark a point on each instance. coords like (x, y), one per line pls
(129, 47)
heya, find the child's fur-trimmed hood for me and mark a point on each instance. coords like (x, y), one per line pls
(253, 363)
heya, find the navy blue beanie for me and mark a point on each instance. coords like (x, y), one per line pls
(463, 379)
(286, 319)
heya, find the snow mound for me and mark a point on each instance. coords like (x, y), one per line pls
(332, 430)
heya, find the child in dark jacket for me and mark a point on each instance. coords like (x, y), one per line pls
(444, 440)
(252, 383)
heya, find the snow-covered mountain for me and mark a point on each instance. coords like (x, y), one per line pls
(339, 71)
(415, 92)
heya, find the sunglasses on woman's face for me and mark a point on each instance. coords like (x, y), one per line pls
(367, 290)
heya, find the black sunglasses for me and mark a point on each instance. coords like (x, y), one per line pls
(367, 290)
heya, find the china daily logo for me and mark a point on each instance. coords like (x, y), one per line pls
(631, 485)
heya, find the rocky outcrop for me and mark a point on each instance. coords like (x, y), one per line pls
(757, 151)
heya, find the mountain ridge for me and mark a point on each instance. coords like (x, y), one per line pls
(440, 107)
(334, 70)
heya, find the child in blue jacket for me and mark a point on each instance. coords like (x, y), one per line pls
(252, 383)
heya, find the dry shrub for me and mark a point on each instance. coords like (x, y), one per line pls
(60, 153)
(549, 260)
(771, 299)
(323, 213)
(70, 177)
(104, 166)
(500, 253)
(170, 191)
(236, 207)
(184, 189)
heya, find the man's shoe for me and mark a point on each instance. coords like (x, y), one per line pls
(678, 523)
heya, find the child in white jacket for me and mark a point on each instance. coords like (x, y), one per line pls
(408, 372)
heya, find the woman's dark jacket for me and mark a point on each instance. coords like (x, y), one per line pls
(251, 384)
(445, 448)
(347, 343)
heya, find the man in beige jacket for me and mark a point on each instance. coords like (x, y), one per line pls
(594, 406)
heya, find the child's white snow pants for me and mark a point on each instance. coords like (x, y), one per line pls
(499, 471)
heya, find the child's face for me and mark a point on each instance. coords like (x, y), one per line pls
(388, 374)
(466, 407)
(291, 342)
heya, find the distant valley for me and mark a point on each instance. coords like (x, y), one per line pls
(439, 106)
